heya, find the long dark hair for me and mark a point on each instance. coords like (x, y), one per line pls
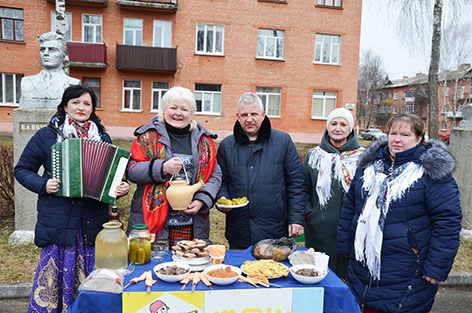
(75, 91)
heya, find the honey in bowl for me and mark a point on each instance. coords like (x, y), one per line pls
(222, 273)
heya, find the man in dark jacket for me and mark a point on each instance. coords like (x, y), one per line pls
(262, 164)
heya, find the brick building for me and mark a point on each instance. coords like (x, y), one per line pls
(301, 57)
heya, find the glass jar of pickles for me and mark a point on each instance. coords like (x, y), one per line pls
(139, 244)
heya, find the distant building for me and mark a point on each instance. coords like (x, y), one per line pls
(409, 95)
(301, 57)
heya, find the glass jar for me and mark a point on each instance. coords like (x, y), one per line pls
(139, 244)
(111, 247)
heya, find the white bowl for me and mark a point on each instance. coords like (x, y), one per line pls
(172, 278)
(222, 281)
(308, 279)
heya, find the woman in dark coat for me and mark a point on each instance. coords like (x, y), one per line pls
(329, 170)
(66, 227)
(400, 221)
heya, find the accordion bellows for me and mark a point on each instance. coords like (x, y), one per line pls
(88, 168)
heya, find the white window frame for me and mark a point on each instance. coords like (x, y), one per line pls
(323, 98)
(443, 125)
(395, 109)
(96, 27)
(160, 93)
(330, 3)
(206, 29)
(266, 96)
(277, 40)
(132, 90)
(3, 96)
(210, 95)
(334, 49)
(96, 89)
(462, 92)
(395, 95)
(16, 21)
(165, 33)
(68, 34)
(136, 31)
(444, 108)
(448, 91)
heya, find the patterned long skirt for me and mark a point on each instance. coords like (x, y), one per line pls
(59, 274)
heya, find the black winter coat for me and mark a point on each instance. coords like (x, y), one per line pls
(58, 219)
(270, 174)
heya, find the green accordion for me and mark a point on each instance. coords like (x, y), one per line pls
(88, 168)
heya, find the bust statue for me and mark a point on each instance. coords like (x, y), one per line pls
(45, 89)
(466, 117)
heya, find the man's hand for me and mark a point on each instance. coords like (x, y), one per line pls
(295, 230)
(431, 280)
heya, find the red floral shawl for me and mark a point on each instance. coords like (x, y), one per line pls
(147, 147)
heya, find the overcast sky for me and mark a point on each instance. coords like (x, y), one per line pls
(380, 35)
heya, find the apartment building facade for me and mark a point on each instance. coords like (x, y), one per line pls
(409, 95)
(301, 57)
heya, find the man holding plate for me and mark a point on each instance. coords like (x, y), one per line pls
(262, 164)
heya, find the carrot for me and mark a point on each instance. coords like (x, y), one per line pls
(205, 280)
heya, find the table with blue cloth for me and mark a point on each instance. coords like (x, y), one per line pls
(337, 295)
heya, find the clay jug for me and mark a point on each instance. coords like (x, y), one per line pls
(180, 193)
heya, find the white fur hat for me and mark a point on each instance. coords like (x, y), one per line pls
(341, 112)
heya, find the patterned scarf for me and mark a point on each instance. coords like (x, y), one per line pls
(382, 190)
(342, 166)
(74, 129)
(147, 147)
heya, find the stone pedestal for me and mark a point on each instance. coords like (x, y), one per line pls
(460, 147)
(25, 123)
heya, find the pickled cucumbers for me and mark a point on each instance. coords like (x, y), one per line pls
(139, 250)
(234, 201)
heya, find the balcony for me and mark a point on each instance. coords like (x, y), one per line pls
(146, 58)
(91, 55)
(450, 114)
(100, 3)
(159, 5)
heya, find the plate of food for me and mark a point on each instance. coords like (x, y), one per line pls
(234, 203)
(268, 268)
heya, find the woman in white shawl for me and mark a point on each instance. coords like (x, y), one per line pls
(329, 169)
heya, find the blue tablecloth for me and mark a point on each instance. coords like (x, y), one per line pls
(337, 296)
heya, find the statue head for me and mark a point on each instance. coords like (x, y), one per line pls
(51, 50)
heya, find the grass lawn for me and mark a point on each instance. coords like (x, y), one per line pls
(18, 263)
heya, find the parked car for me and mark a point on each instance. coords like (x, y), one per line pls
(446, 138)
(373, 134)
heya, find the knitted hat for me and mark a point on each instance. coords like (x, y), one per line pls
(341, 112)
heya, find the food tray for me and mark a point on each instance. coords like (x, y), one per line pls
(224, 206)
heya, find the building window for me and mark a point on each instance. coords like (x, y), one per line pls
(271, 99)
(10, 86)
(133, 32)
(462, 92)
(395, 109)
(131, 95)
(395, 95)
(443, 125)
(210, 39)
(68, 24)
(330, 3)
(323, 103)
(448, 90)
(158, 91)
(94, 84)
(270, 44)
(444, 108)
(92, 28)
(208, 98)
(11, 24)
(327, 49)
(162, 34)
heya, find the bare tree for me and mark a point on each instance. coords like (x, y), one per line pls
(61, 30)
(371, 77)
(419, 23)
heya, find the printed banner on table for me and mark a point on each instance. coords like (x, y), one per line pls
(284, 300)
